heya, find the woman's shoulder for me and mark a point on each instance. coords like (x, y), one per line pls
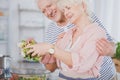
(95, 31)
(98, 29)
(94, 27)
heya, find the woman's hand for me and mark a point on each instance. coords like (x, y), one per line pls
(39, 49)
(105, 48)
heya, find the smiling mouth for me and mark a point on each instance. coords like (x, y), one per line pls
(53, 14)
(69, 17)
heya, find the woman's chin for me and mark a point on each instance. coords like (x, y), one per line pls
(72, 22)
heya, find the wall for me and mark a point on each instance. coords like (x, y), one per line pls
(25, 21)
(109, 13)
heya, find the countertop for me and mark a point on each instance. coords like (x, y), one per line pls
(28, 68)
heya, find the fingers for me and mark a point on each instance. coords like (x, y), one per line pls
(29, 46)
(35, 50)
(39, 54)
(103, 47)
(103, 41)
(30, 51)
(99, 49)
(100, 43)
(34, 54)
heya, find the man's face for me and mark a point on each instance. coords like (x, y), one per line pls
(50, 10)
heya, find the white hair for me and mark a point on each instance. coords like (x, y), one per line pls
(49, 0)
(62, 3)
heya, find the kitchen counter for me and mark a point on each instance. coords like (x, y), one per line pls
(29, 68)
(22, 67)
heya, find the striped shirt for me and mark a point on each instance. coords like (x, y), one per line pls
(107, 69)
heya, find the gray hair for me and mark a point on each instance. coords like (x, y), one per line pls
(62, 3)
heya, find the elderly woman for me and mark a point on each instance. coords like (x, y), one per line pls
(75, 51)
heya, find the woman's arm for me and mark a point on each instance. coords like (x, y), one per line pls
(63, 55)
(42, 49)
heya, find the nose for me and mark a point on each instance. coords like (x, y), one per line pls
(66, 13)
(48, 11)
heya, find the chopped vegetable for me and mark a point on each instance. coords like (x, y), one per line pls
(33, 78)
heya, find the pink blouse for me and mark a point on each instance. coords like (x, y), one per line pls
(85, 58)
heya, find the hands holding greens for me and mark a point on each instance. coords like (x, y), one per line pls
(42, 50)
(39, 49)
(24, 50)
(31, 50)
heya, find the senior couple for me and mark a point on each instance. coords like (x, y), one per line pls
(76, 42)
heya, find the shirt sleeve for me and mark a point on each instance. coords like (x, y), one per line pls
(97, 20)
(85, 59)
(50, 34)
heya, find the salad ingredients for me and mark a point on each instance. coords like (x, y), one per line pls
(33, 78)
(22, 45)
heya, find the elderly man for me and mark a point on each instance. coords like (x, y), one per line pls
(59, 25)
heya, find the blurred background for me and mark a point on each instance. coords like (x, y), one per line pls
(21, 19)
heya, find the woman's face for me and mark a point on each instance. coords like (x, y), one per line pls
(73, 12)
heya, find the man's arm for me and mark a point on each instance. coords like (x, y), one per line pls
(51, 66)
(105, 47)
(50, 62)
(51, 37)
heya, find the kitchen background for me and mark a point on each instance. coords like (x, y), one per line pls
(21, 19)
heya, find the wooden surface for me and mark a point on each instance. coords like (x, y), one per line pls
(117, 64)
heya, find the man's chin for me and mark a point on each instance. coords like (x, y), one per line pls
(55, 20)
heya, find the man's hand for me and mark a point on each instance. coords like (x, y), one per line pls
(105, 48)
(48, 59)
(50, 62)
(51, 67)
(14, 77)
